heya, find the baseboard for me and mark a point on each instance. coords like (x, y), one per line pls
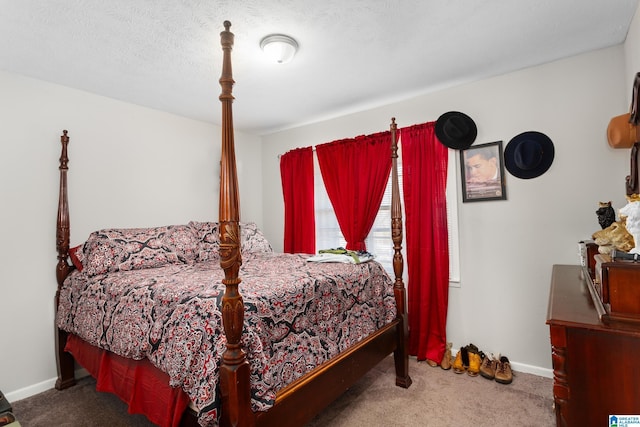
(529, 369)
(43, 386)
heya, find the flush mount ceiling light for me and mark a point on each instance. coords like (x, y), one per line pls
(279, 48)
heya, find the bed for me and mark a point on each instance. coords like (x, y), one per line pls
(158, 317)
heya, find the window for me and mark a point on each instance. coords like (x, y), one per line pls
(379, 243)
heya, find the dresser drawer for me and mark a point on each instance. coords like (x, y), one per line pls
(618, 285)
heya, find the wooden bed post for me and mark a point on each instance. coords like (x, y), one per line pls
(234, 370)
(401, 354)
(64, 361)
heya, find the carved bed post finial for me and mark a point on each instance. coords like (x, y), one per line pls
(234, 370)
(401, 356)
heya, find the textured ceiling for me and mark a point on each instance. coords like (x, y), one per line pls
(354, 54)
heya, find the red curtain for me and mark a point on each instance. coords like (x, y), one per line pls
(355, 173)
(296, 172)
(424, 177)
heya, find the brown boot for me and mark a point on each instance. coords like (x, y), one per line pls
(472, 348)
(458, 364)
(474, 364)
(503, 371)
(445, 363)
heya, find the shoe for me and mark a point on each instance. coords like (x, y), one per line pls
(432, 363)
(445, 363)
(503, 373)
(458, 364)
(7, 418)
(472, 348)
(488, 366)
(474, 364)
(465, 357)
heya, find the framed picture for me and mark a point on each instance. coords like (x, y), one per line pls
(482, 172)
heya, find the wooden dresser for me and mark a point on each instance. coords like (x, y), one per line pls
(596, 364)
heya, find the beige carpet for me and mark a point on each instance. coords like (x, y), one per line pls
(441, 398)
(436, 398)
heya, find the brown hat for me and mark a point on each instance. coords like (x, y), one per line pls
(620, 132)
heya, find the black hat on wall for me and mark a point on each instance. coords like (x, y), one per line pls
(456, 130)
(529, 155)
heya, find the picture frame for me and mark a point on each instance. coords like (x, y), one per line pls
(482, 172)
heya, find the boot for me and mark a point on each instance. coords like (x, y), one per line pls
(446, 359)
(472, 348)
(474, 364)
(458, 365)
(465, 357)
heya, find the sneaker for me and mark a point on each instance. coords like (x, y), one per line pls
(458, 364)
(488, 366)
(503, 373)
(445, 363)
(474, 364)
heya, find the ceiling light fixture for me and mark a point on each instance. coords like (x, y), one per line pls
(279, 48)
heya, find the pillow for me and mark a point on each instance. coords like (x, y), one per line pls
(76, 256)
(252, 239)
(123, 249)
(208, 238)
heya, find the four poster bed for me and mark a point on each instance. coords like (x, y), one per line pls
(156, 314)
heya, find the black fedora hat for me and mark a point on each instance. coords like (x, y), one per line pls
(456, 130)
(529, 154)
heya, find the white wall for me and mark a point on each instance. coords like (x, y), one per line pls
(129, 166)
(508, 247)
(132, 166)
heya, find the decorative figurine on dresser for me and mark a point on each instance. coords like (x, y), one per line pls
(631, 211)
(594, 308)
(606, 214)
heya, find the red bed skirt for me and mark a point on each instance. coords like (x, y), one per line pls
(142, 386)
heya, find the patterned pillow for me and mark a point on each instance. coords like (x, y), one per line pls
(122, 249)
(252, 239)
(208, 238)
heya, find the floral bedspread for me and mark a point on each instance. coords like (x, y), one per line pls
(298, 314)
